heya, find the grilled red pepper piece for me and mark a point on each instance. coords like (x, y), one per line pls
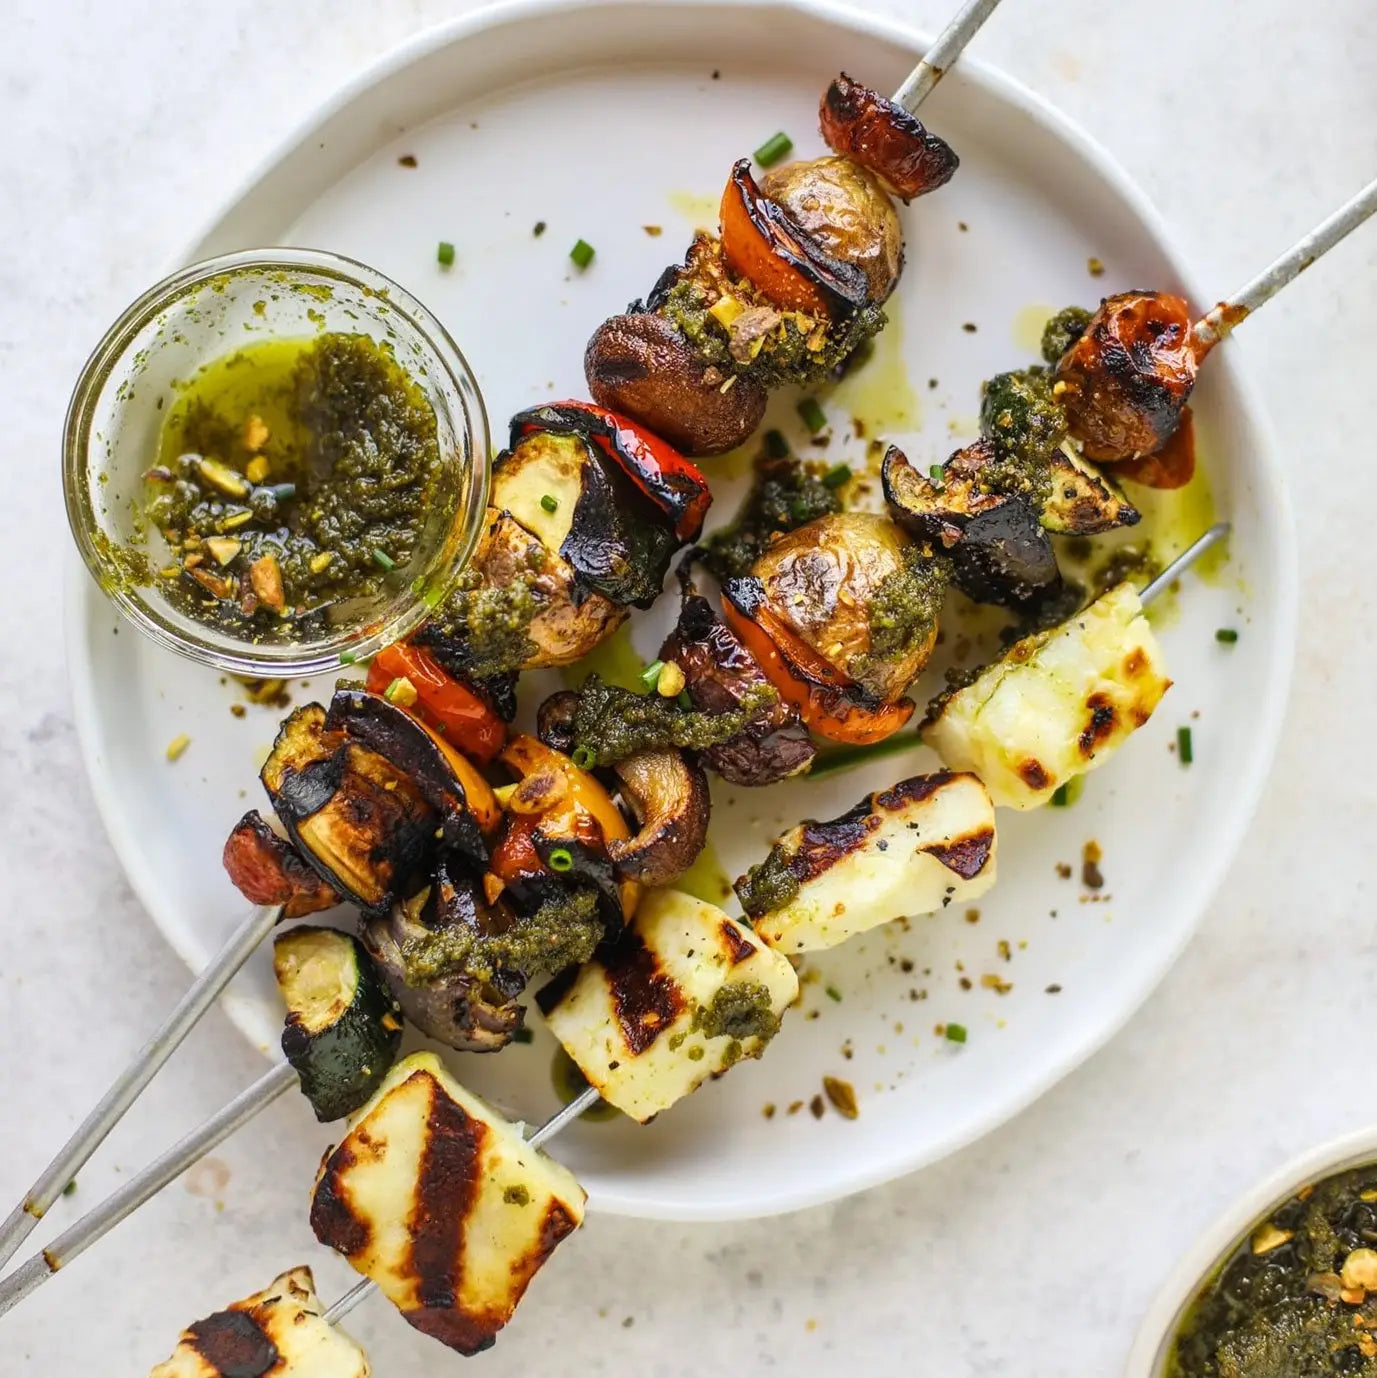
(673, 483)
(467, 722)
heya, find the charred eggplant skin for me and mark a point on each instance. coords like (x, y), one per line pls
(358, 820)
(896, 146)
(395, 735)
(267, 869)
(343, 1029)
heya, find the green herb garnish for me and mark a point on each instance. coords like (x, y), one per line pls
(444, 252)
(812, 415)
(650, 676)
(833, 993)
(582, 253)
(1226, 635)
(383, 559)
(774, 148)
(561, 859)
(1184, 747)
(836, 476)
(955, 1033)
(549, 502)
(776, 447)
(583, 757)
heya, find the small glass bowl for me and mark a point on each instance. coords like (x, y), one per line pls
(205, 312)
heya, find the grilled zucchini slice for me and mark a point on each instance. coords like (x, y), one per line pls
(684, 994)
(911, 849)
(1056, 704)
(280, 1332)
(343, 1028)
(441, 1202)
(1084, 500)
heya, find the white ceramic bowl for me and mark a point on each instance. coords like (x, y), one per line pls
(1152, 1348)
(602, 118)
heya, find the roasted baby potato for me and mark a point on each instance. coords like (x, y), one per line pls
(1056, 705)
(924, 843)
(684, 994)
(844, 209)
(280, 1332)
(440, 1201)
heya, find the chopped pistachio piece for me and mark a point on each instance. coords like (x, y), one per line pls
(223, 548)
(223, 478)
(177, 746)
(265, 578)
(671, 682)
(255, 435)
(257, 469)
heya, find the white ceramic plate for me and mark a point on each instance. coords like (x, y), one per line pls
(599, 120)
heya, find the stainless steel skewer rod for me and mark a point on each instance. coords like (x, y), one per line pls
(1218, 322)
(91, 1133)
(1183, 562)
(79, 1237)
(557, 1122)
(938, 59)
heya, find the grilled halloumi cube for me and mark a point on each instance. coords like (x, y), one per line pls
(439, 1199)
(911, 849)
(280, 1332)
(1056, 705)
(686, 993)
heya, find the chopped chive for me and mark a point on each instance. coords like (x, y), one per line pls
(70, 1188)
(776, 447)
(348, 657)
(1066, 795)
(833, 993)
(1227, 635)
(282, 491)
(549, 502)
(955, 1033)
(583, 757)
(1184, 747)
(539, 228)
(774, 148)
(836, 476)
(685, 701)
(650, 676)
(582, 253)
(381, 557)
(812, 415)
(444, 252)
(938, 474)
(561, 859)
(523, 1036)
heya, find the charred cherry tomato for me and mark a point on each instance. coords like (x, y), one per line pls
(826, 707)
(444, 703)
(761, 243)
(673, 483)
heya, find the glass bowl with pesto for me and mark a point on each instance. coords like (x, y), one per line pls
(276, 462)
(1284, 1286)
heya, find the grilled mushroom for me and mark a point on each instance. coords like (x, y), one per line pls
(669, 795)
(641, 365)
(267, 869)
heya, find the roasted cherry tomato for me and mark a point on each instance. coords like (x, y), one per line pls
(673, 483)
(761, 243)
(442, 702)
(825, 702)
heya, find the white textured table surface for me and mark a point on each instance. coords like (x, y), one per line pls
(1033, 1253)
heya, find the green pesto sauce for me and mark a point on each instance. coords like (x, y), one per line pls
(739, 1010)
(785, 356)
(517, 1195)
(1019, 415)
(785, 495)
(1062, 331)
(1278, 1313)
(336, 417)
(769, 886)
(486, 626)
(561, 933)
(903, 610)
(614, 723)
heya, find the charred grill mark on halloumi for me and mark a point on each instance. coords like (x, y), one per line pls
(441, 1202)
(280, 1332)
(910, 849)
(714, 994)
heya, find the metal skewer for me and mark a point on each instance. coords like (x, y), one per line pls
(91, 1227)
(939, 58)
(91, 1133)
(210, 984)
(1218, 322)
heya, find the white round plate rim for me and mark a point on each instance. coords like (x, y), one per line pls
(1350, 1150)
(82, 598)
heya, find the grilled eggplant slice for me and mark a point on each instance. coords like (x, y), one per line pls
(465, 1012)
(280, 1332)
(669, 795)
(563, 491)
(450, 784)
(1084, 500)
(719, 674)
(440, 1201)
(999, 552)
(641, 365)
(1056, 705)
(359, 821)
(267, 869)
(684, 994)
(914, 848)
(343, 1028)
